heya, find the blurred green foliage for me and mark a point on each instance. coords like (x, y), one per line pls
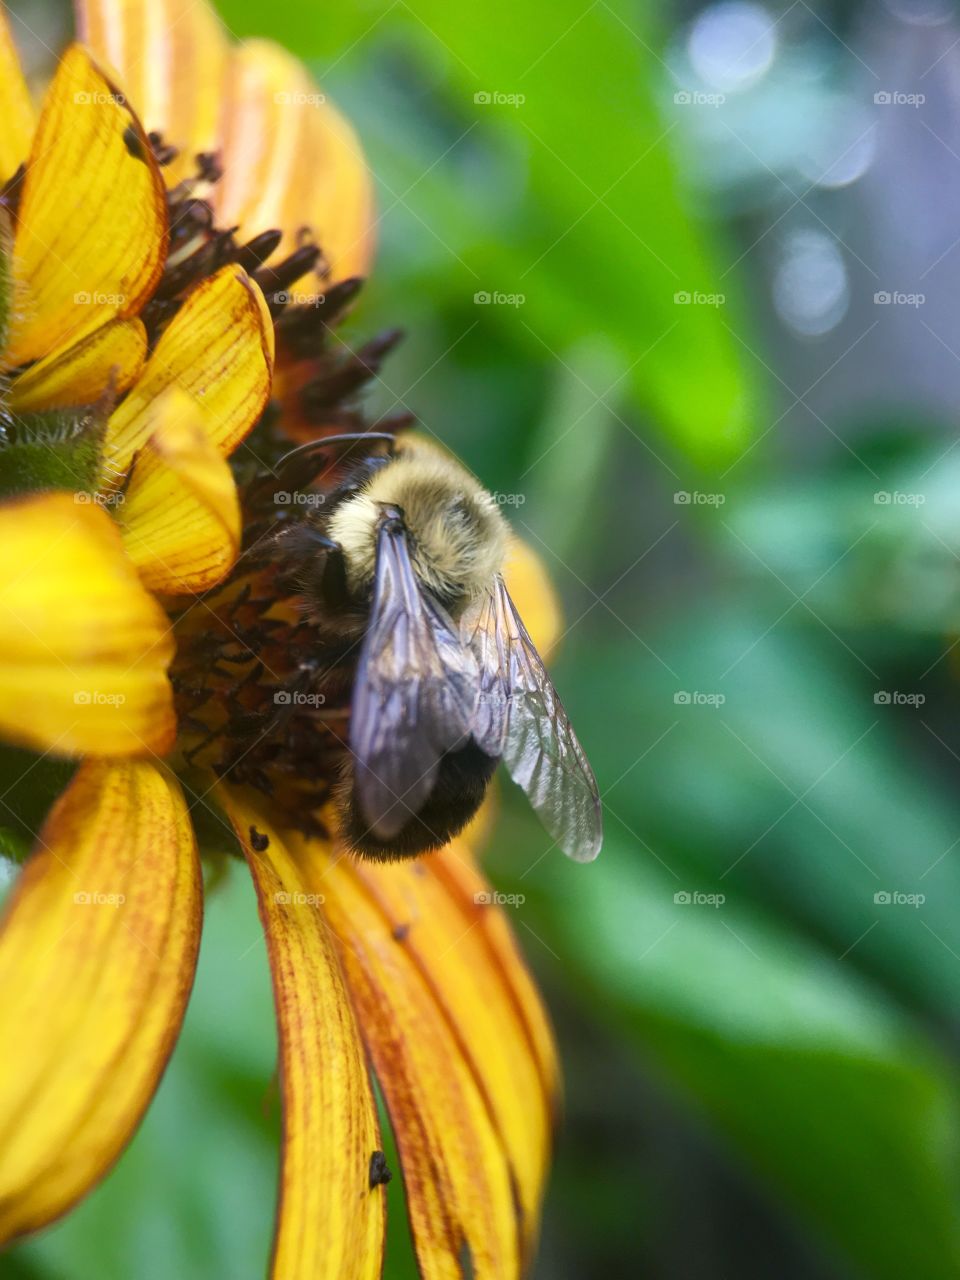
(804, 1026)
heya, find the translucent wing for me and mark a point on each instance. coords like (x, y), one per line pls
(415, 695)
(520, 718)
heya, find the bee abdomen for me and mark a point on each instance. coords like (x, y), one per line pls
(462, 781)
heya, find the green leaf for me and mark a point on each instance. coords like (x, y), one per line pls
(568, 198)
(835, 1098)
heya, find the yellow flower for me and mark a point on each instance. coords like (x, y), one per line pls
(133, 364)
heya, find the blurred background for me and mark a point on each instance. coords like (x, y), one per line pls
(679, 283)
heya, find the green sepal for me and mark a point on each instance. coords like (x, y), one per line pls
(56, 450)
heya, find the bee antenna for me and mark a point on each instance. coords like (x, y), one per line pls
(304, 450)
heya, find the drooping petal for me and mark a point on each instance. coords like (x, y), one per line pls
(456, 938)
(91, 234)
(84, 649)
(181, 515)
(110, 357)
(16, 109)
(170, 56)
(331, 1221)
(219, 350)
(97, 955)
(452, 1049)
(292, 161)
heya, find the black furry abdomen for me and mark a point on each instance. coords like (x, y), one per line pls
(461, 784)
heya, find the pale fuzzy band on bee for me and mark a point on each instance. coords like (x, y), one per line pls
(458, 537)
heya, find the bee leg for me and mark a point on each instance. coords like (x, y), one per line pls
(333, 578)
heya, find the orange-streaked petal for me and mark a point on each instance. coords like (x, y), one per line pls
(529, 586)
(331, 1223)
(16, 109)
(97, 956)
(84, 649)
(292, 161)
(181, 515)
(219, 350)
(170, 56)
(451, 929)
(91, 234)
(446, 1107)
(109, 358)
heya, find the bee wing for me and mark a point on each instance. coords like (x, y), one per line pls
(415, 695)
(521, 718)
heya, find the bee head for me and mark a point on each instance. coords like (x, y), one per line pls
(456, 534)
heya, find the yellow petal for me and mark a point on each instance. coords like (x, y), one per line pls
(97, 955)
(530, 587)
(16, 109)
(449, 926)
(331, 1222)
(171, 57)
(443, 1061)
(219, 350)
(291, 161)
(181, 515)
(108, 359)
(91, 233)
(83, 648)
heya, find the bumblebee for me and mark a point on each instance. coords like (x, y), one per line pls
(406, 566)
